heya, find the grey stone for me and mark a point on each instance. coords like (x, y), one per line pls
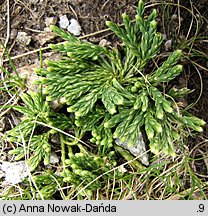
(139, 149)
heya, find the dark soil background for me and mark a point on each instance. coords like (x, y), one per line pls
(29, 16)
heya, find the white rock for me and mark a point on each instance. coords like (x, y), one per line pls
(15, 172)
(63, 22)
(74, 27)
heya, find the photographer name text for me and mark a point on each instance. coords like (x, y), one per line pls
(52, 208)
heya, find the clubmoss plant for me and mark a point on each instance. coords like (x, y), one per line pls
(30, 141)
(113, 95)
(46, 185)
(87, 169)
(34, 143)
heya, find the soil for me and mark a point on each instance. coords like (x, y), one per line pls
(30, 16)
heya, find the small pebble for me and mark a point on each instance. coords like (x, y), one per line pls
(45, 36)
(27, 73)
(74, 27)
(50, 21)
(164, 36)
(104, 43)
(23, 38)
(54, 158)
(168, 44)
(56, 104)
(63, 22)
